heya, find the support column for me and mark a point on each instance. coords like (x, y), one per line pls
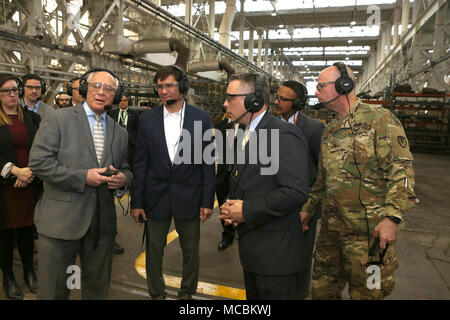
(272, 57)
(260, 40)
(241, 29)
(35, 23)
(266, 52)
(388, 38)
(227, 21)
(212, 18)
(440, 48)
(188, 15)
(251, 45)
(397, 15)
(405, 17)
(119, 19)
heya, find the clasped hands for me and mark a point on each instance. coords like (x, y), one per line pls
(24, 176)
(94, 178)
(231, 212)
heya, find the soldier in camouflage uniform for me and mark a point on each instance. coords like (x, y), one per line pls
(364, 185)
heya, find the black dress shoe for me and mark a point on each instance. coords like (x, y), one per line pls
(11, 288)
(118, 248)
(31, 281)
(224, 244)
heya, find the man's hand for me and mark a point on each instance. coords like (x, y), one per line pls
(24, 174)
(116, 181)
(20, 183)
(305, 216)
(94, 177)
(387, 231)
(231, 212)
(136, 213)
(205, 213)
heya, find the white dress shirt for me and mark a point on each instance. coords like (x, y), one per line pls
(291, 119)
(173, 124)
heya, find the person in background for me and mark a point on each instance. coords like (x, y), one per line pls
(19, 188)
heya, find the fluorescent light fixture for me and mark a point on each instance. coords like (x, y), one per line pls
(353, 23)
(349, 41)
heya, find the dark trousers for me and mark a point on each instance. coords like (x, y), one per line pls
(305, 272)
(55, 256)
(261, 287)
(189, 233)
(25, 245)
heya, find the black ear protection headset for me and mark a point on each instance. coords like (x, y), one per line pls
(69, 85)
(183, 82)
(36, 77)
(57, 98)
(255, 101)
(301, 94)
(344, 84)
(84, 84)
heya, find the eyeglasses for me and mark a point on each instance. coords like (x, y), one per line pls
(168, 86)
(96, 86)
(6, 92)
(322, 85)
(75, 88)
(282, 99)
(37, 88)
(65, 100)
(230, 96)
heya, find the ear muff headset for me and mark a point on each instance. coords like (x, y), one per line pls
(69, 85)
(255, 101)
(35, 77)
(183, 83)
(344, 84)
(84, 84)
(57, 98)
(300, 91)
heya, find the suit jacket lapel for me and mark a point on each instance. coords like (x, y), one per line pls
(159, 130)
(85, 130)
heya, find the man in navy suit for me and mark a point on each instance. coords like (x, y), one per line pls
(264, 204)
(169, 182)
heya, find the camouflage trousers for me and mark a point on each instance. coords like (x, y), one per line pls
(341, 259)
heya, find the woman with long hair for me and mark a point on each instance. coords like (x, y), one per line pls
(18, 186)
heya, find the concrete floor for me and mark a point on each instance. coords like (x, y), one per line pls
(423, 248)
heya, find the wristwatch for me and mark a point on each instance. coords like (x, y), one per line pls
(394, 219)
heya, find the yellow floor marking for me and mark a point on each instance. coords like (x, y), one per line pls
(203, 287)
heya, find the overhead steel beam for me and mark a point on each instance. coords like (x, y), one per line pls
(420, 22)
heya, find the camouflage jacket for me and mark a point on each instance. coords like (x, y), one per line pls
(365, 168)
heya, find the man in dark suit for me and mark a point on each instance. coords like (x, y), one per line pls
(265, 196)
(290, 100)
(171, 181)
(76, 212)
(129, 119)
(228, 131)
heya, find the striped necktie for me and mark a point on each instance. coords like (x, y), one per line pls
(99, 138)
(247, 135)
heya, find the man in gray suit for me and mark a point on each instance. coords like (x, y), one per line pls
(76, 212)
(34, 89)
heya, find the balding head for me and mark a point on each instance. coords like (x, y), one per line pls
(332, 73)
(327, 94)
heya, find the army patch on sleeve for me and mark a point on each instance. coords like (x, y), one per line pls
(402, 141)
